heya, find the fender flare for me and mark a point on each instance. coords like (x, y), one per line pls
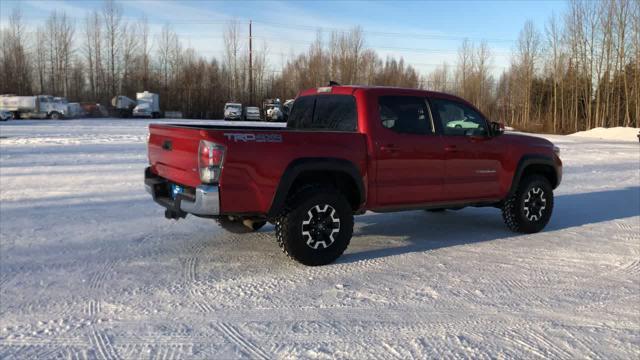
(528, 160)
(298, 166)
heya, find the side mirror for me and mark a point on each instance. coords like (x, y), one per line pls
(497, 128)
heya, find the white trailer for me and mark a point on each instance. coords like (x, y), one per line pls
(40, 106)
(148, 105)
(123, 106)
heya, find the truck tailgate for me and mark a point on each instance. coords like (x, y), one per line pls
(173, 153)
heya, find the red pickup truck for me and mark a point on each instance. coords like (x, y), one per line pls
(346, 150)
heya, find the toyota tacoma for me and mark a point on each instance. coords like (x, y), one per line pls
(346, 150)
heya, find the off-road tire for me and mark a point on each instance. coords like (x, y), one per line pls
(237, 227)
(298, 209)
(519, 219)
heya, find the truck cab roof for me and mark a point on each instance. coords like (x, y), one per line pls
(383, 90)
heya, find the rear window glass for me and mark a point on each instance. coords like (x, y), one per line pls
(330, 112)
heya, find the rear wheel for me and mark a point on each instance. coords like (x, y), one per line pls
(529, 209)
(316, 227)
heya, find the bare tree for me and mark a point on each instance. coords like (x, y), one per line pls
(438, 79)
(527, 55)
(553, 44)
(60, 32)
(112, 16)
(145, 51)
(40, 59)
(129, 48)
(16, 74)
(231, 36)
(464, 67)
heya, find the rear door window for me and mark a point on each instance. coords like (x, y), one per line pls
(405, 114)
(335, 112)
(324, 112)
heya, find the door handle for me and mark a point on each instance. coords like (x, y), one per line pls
(390, 148)
(451, 148)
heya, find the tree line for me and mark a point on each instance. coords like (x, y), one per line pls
(580, 70)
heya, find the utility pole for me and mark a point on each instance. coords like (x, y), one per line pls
(250, 66)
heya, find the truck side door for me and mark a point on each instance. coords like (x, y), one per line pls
(473, 158)
(409, 153)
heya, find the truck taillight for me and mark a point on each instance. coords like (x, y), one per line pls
(210, 159)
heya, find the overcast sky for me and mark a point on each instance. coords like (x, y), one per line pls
(424, 33)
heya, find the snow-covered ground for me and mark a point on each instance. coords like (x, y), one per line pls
(89, 267)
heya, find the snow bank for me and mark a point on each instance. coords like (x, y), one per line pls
(615, 133)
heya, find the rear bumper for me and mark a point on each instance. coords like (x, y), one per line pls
(205, 202)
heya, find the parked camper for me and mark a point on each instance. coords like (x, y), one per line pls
(123, 106)
(148, 105)
(39, 107)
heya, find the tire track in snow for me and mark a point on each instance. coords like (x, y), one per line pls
(92, 308)
(102, 344)
(96, 281)
(203, 306)
(189, 269)
(631, 239)
(583, 344)
(32, 352)
(391, 351)
(627, 227)
(632, 267)
(164, 353)
(538, 343)
(4, 278)
(245, 345)
(551, 345)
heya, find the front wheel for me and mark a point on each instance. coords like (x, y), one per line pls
(55, 116)
(529, 209)
(317, 226)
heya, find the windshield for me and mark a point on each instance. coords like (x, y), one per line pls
(234, 107)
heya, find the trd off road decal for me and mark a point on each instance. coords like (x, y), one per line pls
(247, 137)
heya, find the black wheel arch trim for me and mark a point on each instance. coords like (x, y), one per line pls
(298, 166)
(528, 160)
